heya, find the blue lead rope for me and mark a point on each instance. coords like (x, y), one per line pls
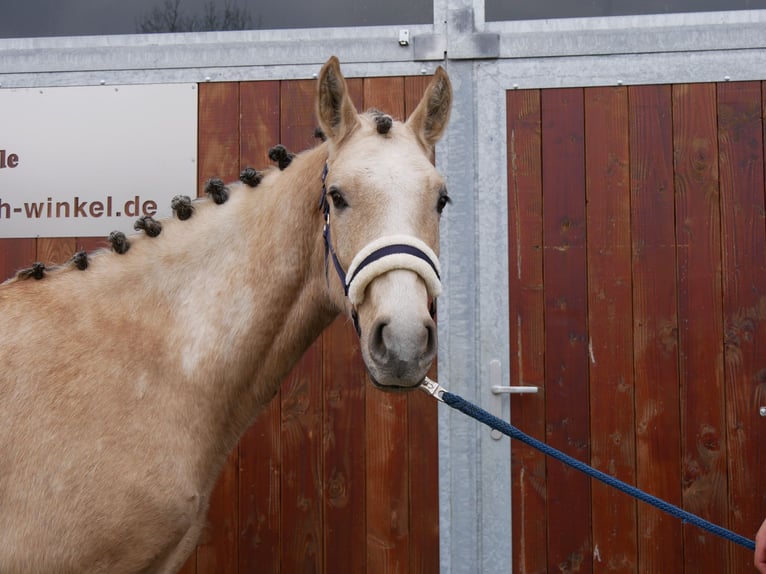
(507, 429)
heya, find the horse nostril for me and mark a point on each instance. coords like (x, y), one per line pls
(377, 341)
(430, 349)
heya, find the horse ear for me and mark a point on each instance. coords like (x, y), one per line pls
(335, 110)
(429, 120)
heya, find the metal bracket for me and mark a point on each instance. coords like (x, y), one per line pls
(433, 388)
(498, 390)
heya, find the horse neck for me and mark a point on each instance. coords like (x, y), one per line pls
(266, 295)
(240, 289)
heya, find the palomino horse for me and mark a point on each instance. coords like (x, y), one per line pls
(128, 377)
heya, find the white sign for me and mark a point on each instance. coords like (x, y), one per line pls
(85, 161)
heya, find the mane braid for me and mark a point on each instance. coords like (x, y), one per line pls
(80, 260)
(383, 123)
(182, 207)
(37, 271)
(120, 243)
(151, 226)
(251, 177)
(216, 189)
(281, 155)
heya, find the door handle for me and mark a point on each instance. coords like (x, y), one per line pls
(498, 390)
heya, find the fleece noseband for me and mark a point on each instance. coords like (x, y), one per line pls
(378, 257)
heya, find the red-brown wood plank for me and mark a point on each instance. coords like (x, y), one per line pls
(260, 466)
(217, 133)
(566, 358)
(301, 487)
(218, 156)
(610, 320)
(655, 325)
(302, 409)
(388, 476)
(422, 418)
(91, 244)
(344, 388)
(700, 334)
(55, 250)
(345, 385)
(741, 164)
(527, 328)
(16, 254)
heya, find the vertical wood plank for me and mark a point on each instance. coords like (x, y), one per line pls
(422, 416)
(301, 488)
(260, 465)
(700, 335)
(55, 250)
(218, 132)
(388, 476)
(566, 359)
(655, 326)
(16, 254)
(301, 396)
(527, 340)
(344, 451)
(741, 164)
(218, 156)
(91, 244)
(610, 320)
(344, 458)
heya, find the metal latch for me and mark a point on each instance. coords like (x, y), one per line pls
(498, 390)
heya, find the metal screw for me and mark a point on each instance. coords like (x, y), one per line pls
(763, 411)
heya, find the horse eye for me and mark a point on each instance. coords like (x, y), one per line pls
(444, 199)
(338, 201)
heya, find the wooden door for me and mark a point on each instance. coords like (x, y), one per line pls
(638, 305)
(334, 476)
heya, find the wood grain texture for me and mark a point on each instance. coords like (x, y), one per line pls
(566, 341)
(700, 335)
(55, 250)
(16, 254)
(260, 463)
(301, 488)
(655, 325)
(610, 321)
(344, 451)
(741, 165)
(527, 327)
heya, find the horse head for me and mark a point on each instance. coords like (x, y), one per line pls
(383, 200)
